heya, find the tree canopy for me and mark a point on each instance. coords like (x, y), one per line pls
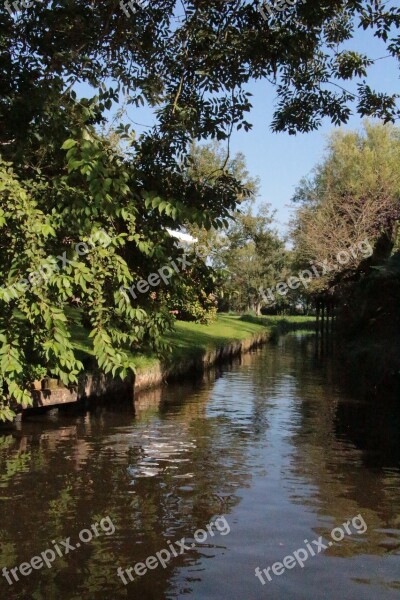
(64, 183)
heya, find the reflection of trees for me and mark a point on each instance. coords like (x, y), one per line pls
(166, 470)
(349, 451)
(91, 465)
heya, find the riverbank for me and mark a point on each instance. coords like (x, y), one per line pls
(194, 348)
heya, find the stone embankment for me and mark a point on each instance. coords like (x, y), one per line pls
(92, 385)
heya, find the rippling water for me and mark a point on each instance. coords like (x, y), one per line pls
(272, 445)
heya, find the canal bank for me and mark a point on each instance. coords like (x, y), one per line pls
(195, 348)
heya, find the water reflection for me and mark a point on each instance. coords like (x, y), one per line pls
(272, 442)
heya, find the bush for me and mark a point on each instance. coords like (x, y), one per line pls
(201, 308)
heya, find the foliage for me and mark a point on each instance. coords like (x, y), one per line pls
(252, 258)
(209, 162)
(45, 273)
(369, 325)
(193, 68)
(36, 372)
(191, 306)
(63, 182)
(354, 195)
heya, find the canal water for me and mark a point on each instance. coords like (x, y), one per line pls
(267, 464)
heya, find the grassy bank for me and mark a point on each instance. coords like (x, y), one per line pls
(194, 338)
(279, 325)
(190, 340)
(194, 349)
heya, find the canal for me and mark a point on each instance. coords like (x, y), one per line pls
(264, 479)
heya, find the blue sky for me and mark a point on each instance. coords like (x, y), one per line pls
(281, 160)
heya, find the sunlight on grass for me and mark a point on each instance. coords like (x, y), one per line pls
(192, 339)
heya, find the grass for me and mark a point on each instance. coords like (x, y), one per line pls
(271, 321)
(279, 325)
(192, 339)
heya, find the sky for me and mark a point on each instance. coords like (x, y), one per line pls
(280, 160)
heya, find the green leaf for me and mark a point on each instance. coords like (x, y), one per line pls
(68, 144)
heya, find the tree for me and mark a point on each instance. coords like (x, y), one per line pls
(64, 182)
(244, 256)
(253, 258)
(353, 197)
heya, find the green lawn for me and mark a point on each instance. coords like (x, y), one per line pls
(192, 339)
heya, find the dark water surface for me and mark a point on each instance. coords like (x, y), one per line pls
(272, 445)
